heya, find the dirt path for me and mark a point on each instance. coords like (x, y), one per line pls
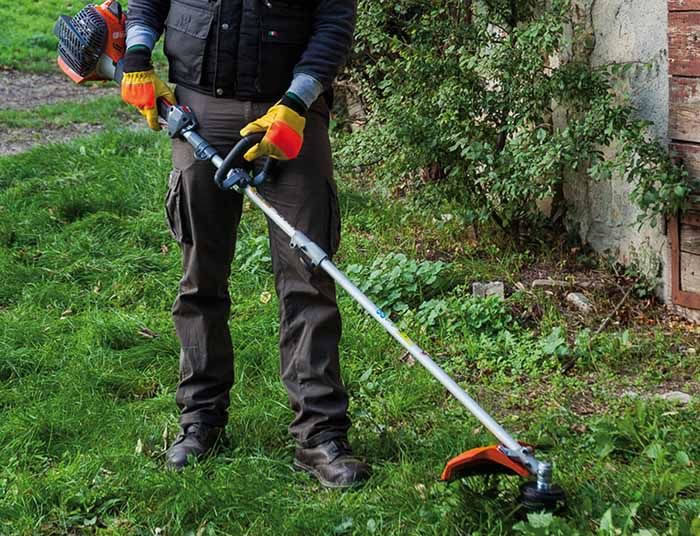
(17, 140)
(20, 90)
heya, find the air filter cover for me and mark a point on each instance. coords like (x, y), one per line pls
(92, 42)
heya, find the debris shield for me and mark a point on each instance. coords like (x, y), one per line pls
(482, 461)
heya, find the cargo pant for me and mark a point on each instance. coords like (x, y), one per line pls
(204, 220)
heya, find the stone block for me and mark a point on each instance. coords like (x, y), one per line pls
(482, 290)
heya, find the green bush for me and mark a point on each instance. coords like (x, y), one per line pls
(462, 98)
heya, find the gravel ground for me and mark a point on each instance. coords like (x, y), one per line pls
(16, 140)
(27, 90)
(19, 90)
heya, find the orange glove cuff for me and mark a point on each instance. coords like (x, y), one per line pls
(285, 138)
(284, 134)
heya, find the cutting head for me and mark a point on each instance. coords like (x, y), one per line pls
(92, 42)
(535, 496)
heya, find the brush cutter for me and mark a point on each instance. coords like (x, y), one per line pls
(91, 45)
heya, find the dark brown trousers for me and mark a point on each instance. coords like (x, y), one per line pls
(204, 220)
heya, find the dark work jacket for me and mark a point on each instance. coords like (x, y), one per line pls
(249, 49)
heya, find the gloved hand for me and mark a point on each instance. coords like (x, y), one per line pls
(283, 125)
(141, 87)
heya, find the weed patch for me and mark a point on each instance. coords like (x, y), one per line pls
(395, 281)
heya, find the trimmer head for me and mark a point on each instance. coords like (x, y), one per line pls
(535, 495)
(534, 498)
(91, 43)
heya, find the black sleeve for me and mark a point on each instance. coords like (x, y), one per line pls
(331, 39)
(151, 13)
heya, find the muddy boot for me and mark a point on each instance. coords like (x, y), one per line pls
(333, 464)
(195, 440)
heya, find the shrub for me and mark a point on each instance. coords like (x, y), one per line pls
(462, 97)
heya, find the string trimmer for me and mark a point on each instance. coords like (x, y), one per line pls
(91, 45)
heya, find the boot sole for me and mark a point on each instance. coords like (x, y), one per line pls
(325, 483)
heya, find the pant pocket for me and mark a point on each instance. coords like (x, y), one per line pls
(175, 210)
(334, 224)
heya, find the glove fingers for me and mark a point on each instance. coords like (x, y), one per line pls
(265, 148)
(151, 115)
(141, 89)
(162, 90)
(253, 152)
(256, 126)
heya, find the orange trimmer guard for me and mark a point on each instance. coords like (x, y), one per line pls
(482, 461)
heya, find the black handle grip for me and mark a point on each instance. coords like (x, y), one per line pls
(163, 108)
(235, 157)
(267, 171)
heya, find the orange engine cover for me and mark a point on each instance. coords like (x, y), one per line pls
(116, 35)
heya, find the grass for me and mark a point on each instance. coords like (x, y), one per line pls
(89, 368)
(88, 362)
(26, 37)
(109, 112)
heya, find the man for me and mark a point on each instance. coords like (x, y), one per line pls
(247, 66)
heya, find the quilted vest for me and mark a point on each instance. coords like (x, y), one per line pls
(245, 49)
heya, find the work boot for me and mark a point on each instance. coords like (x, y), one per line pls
(196, 439)
(333, 464)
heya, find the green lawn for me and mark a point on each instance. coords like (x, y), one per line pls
(88, 363)
(26, 40)
(109, 112)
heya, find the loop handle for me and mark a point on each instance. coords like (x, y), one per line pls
(227, 176)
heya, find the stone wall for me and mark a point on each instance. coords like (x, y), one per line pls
(624, 31)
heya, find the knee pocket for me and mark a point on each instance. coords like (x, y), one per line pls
(175, 209)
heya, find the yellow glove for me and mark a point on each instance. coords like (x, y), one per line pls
(141, 89)
(284, 134)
